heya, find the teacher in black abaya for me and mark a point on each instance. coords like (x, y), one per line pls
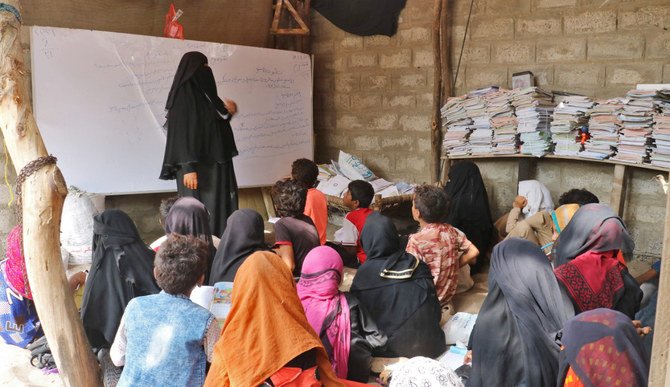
(200, 145)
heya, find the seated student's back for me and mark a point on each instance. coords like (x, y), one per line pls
(305, 172)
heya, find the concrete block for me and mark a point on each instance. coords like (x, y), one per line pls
(397, 59)
(365, 143)
(555, 3)
(538, 27)
(378, 162)
(400, 101)
(376, 82)
(342, 101)
(363, 59)
(590, 22)
(412, 163)
(426, 99)
(423, 58)
(653, 16)
(472, 53)
(423, 144)
(351, 42)
(460, 7)
(347, 82)
(366, 101)
(416, 122)
(412, 80)
(331, 63)
(397, 140)
(415, 35)
(385, 121)
(322, 46)
(514, 7)
(658, 46)
(492, 28)
(349, 122)
(616, 47)
(561, 50)
(579, 75)
(634, 73)
(666, 73)
(514, 52)
(642, 182)
(480, 76)
(379, 41)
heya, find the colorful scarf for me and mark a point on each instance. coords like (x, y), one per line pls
(15, 266)
(326, 307)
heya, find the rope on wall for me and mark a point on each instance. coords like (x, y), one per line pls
(465, 35)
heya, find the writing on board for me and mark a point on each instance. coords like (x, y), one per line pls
(100, 94)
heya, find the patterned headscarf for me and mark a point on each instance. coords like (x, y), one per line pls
(422, 371)
(15, 266)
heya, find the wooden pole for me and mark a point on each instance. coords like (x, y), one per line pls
(435, 134)
(660, 354)
(43, 195)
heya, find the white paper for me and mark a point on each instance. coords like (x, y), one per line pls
(334, 186)
(203, 296)
(380, 184)
(454, 357)
(459, 327)
(390, 191)
(348, 234)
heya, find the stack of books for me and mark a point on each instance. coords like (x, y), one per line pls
(481, 135)
(660, 154)
(456, 126)
(534, 108)
(635, 139)
(503, 122)
(604, 126)
(569, 120)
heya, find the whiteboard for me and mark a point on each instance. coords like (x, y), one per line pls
(99, 101)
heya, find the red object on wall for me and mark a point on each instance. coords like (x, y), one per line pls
(173, 29)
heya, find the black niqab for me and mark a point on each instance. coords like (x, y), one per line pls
(362, 17)
(398, 291)
(197, 131)
(121, 269)
(469, 205)
(514, 338)
(244, 235)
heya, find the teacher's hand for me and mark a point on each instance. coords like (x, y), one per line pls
(231, 106)
(191, 180)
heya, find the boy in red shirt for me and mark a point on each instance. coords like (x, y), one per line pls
(358, 199)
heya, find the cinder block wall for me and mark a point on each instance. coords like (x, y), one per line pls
(373, 95)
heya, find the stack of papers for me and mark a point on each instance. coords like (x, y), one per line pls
(534, 108)
(635, 139)
(456, 125)
(660, 154)
(480, 137)
(503, 122)
(604, 126)
(570, 118)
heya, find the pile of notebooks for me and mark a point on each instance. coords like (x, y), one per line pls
(456, 126)
(503, 122)
(635, 140)
(604, 126)
(660, 154)
(569, 121)
(534, 108)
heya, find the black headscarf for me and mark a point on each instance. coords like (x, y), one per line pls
(618, 353)
(514, 338)
(121, 269)
(196, 130)
(244, 235)
(188, 216)
(398, 291)
(362, 17)
(469, 204)
(585, 232)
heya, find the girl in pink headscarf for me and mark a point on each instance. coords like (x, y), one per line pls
(344, 326)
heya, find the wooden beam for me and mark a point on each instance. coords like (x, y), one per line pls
(269, 203)
(659, 374)
(619, 184)
(43, 195)
(436, 126)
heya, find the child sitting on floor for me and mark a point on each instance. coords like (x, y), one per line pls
(444, 248)
(305, 172)
(166, 339)
(357, 198)
(295, 234)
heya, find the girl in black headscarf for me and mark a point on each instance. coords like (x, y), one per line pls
(244, 235)
(190, 217)
(398, 291)
(200, 144)
(589, 259)
(121, 269)
(514, 338)
(469, 207)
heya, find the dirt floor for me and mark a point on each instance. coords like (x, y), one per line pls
(15, 369)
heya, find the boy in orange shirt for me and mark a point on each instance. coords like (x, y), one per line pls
(305, 172)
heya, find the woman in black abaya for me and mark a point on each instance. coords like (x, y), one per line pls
(122, 269)
(200, 144)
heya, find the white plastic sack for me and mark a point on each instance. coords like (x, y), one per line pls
(459, 327)
(76, 227)
(353, 168)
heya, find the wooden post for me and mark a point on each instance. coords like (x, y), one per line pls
(660, 355)
(43, 195)
(619, 183)
(436, 126)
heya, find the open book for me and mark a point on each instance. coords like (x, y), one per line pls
(217, 299)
